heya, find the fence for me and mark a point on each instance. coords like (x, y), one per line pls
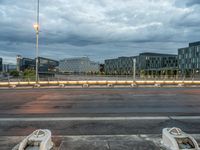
(100, 80)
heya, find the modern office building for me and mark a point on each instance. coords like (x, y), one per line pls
(18, 62)
(121, 66)
(101, 68)
(1, 64)
(78, 65)
(25, 63)
(158, 64)
(146, 64)
(111, 66)
(189, 59)
(45, 65)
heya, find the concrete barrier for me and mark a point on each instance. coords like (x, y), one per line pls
(39, 139)
(157, 85)
(110, 85)
(85, 85)
(176, 139)
(134, 85)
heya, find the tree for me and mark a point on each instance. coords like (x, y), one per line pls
(29, 73)
(142, 73)
(14, 73)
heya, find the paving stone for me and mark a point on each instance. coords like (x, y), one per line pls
(84, 145)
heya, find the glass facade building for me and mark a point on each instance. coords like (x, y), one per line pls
(189, 59)
(146, 63)
(25, 63)
(78, 65)
(45, 65)
(1, 64)
(158, 64)
(121, 66)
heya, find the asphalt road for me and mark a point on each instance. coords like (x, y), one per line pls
(99, 102)
(110, 105)
(111, 111)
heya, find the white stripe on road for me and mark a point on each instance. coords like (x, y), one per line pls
(100, 118)
(83, 118)
(185, 117)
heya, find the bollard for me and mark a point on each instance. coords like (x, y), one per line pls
(62, 85)
(110, 85)
(37, 86)
(85, 85)
(13, 86)
(157, 85)
(180, 85)
(133, 85)
(176, 139)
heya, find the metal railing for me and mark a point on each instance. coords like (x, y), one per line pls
(99, 80)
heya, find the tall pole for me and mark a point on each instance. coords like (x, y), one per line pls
(134, 68)
(36, 26)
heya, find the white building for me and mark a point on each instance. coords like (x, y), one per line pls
(78, 65)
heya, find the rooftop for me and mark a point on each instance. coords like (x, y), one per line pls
(156, 54)
(194, 44)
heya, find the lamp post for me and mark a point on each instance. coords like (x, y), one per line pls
(134, 68)
(197, 73)
(36, 27)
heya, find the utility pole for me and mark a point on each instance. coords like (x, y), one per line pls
(134, 68)
(36, 27)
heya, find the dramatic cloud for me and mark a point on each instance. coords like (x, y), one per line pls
(192, 2)
(99, 29)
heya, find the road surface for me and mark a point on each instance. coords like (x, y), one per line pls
(106, 111)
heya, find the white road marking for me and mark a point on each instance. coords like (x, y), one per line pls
(100, 118)
(185, 117)
(84, 118)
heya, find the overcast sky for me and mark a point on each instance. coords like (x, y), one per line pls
(99, 29)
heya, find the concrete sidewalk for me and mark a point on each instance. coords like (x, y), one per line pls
(100, 142)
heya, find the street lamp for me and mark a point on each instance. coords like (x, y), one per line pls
(197, 73)
(134, 68)
(36, 27)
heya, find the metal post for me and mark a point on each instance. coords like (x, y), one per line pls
(134, 69)
(37, 42)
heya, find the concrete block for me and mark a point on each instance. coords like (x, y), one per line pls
(176, 139)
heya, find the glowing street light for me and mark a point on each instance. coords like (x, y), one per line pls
(36, 27)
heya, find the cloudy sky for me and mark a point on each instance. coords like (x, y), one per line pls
(99, 29)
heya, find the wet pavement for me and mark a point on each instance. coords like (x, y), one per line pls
(100, 102)
(95, 118)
